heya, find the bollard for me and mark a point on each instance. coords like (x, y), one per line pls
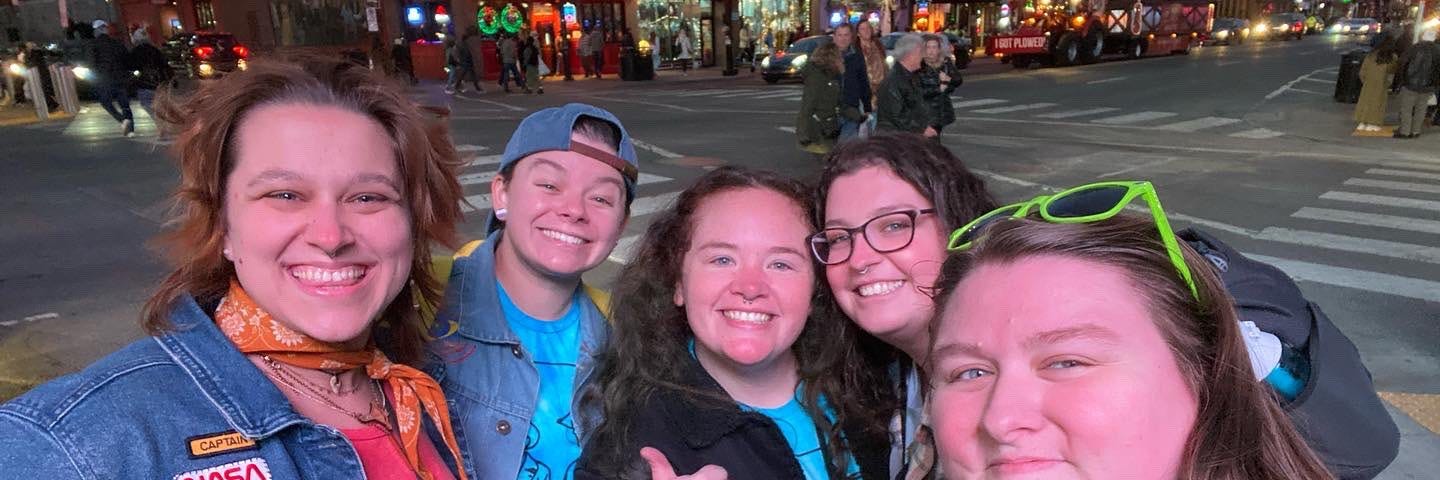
(36, 91)
(65, 93)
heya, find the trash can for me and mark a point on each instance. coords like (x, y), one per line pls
(636, 66)
(1347, 86)
(644, 66)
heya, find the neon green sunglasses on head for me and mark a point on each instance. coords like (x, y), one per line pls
(1083, 204)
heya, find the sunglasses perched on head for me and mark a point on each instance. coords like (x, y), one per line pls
(1083, 204)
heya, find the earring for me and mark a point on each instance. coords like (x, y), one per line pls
(227, 254)
(414, 296)
(500, 214)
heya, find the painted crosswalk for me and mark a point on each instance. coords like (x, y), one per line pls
(1137, 117)
(1112, 116)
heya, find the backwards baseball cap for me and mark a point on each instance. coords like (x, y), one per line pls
(550, 130)
(99, 25)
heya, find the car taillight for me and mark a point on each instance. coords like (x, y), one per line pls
(204, 52)
(1298, 25)
(241, 51)
(779, 53)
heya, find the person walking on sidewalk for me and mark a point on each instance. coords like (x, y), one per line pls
(1375, 74)
(404, 65)
(452, 63)
(597, 51)
(111, 63)
(1418, 77)
(818, 122)
(682, 50)
(586, 61)
(509, 64)
(855, 93)
(155, 72)
(469, 44)
(531, 58)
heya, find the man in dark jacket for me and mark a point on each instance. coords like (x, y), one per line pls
(1418, 77)
(404, 66)
(155, 72)
(901, 106)
(854, 83)
(111, 64)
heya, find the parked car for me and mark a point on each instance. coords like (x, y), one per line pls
(1356, 26)
(1226, 31)
(205, 55)
(785, 64)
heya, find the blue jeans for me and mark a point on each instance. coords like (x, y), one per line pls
(849, 129)
(147, 100)
(111, 93)
(508, 71)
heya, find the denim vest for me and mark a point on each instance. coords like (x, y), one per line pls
(490, 381)
(179, 405)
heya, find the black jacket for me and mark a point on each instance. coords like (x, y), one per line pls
(154, 70)
(854, 86)
(901, 106)
(692, 435)
(530, 54)
(936, 96)
(1420, 68)
(111, 60)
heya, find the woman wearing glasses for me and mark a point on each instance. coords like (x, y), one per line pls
(1075, 342)
(718, 363)
(887, 205)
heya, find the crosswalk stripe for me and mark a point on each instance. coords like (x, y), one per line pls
(1403, 173)
(1356, 279)
(698, 93)
(1387, 184)
(774, 95)
(792, 99)
(1383, 248)
(642, 206)
(1369, 219)
(1257, 134)
(1078, 113)
(979, 103)
(624, 249)
(1199, 124)
(1415, 165)
(486, 177)
(1133, 118)
(1015, 108)
(744, 94)
(1388, 201)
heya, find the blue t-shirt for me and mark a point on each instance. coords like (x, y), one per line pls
(551, 445)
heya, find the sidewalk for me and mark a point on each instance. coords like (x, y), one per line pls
(24, 114)
(1323, 120)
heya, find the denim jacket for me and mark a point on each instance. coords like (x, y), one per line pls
(179, 405)
(490, 382)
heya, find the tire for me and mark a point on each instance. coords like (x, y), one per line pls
(1094, 47)
(1067, 50)
(1020, 62)
(772, 80)
(1136, 49)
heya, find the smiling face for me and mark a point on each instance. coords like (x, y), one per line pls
(881, 292)
(564, 211)
(746, 282)
(844, 36)
(316, 223)
(1035, 381)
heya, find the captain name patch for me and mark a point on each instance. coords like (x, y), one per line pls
(217, 443)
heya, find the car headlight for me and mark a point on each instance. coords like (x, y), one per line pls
(206, 70)
(765, 63)
(1261, 27)
(1222, 34)
(16, 69)
(799, 60)
(83, 73)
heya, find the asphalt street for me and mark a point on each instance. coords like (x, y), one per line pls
(1242, 140)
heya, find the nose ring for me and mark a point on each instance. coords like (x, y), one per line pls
(865, 270)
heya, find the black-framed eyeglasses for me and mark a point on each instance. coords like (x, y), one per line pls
(885, 233)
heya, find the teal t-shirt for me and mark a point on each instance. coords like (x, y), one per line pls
(551, 445)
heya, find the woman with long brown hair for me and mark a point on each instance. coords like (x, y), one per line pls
(1072, 341)
(876, 68)
(309, 196)
(817, 124)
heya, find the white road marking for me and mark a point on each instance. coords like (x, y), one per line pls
(795, 98)
(1199, 124)
(642, 205)
(697, 93)
(1106, 80)
(978, 103)
(1312, 92)
(624, 249)
(29, 319)
(495, 103)
(1415, 165)
(470, 148)
(1403, 173)
(1383, 248)
(1386, 184)
(1145, 165)
(1387, 201)
(774, 95)
(1258, 134)
(1015, 108)
(1320, 80)
(1078, 113)
(744, 94)
(1292, 83)
(786, 129)
(1357, 279)
(1369, 219)
(656, 150)
(1134, 118)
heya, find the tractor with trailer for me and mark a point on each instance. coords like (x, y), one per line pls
(1084, 31)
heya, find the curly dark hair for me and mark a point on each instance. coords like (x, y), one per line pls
(647, 348)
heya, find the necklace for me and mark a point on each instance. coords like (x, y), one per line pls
(378, 414)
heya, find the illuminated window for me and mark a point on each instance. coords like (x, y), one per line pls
(204, 14)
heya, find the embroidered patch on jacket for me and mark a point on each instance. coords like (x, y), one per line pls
(211, 444)
(249, 469)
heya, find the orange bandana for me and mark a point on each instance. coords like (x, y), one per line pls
(255, 331)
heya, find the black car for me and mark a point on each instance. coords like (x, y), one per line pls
(786, 63)
(205, 55)
(1226, 31)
